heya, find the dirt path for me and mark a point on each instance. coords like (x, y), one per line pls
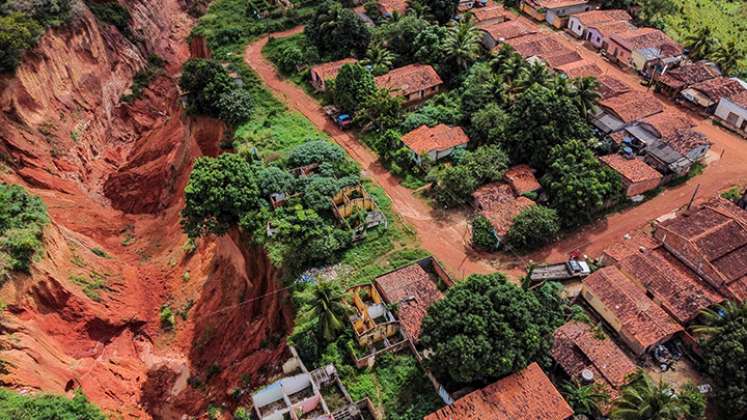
(444, 236)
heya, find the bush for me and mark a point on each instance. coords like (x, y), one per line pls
(317, 151)
(167, 318)
(337, 32)
(454, 186)
(289, 59)
(210, 91)
(47, 406)
(353, 85)
(18, 32)
(22, 220)
(112, 13)
(533, 228)
(483, 234)
(235, 107)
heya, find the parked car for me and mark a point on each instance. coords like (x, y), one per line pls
(341, 119)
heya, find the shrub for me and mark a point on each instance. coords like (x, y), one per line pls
(112, 13)
(18, 33)
(47, 406)
(533, 227)
(22, 220)
(289, 59)
(235, 107)
(167, 318)
(483, 234)
(204, 81)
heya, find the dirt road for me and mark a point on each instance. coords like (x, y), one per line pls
(444, 236)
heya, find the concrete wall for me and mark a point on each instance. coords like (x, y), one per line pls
(574, 24)
(595, 37)
(616, 50)
(552, 16)
(638, 188)
(732, 114)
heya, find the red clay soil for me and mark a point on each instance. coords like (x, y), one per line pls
(443, 234)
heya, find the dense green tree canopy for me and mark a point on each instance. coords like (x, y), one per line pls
(643, 399)
(22, 220)
(486, 328)
(454, 186)
(533, 227)
(353, 85)
(210, 91)
(18, 32)
(380, 110)
(47, 407)
(337, 32)
(486, 163)
(483, 234)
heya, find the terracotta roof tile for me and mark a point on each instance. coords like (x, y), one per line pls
(527, 394)
(409, 79)
(392, 6)
(581, 68)
(501, 216)
(536, 46)
(666, 123)
(522, 179)
(414, 290)
(562, 57)
(489, 13)
(632, 170)
(507, 30)
(719, 87)
(593, 17)
(632, 244)
(639, 38)
(611, 28)
(683, 140)
(327, 71)
(689, 74)
(739, 99)
(554, 4)
(609, 87)
(632, 106)
(492, 194)
(426, 139)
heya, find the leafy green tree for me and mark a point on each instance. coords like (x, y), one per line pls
(727, 56)
(272, 179)
(486, 163)
(47, 406)
(453, 186)
(533, 227)
(642, 399)
(480, 88)
(22, 219)
(442, 10)
(483, 234)
(353, 85)
(327, 304)
(319, 191)
(486, 328)
(585, 399)
(693, 402)
(337, 32)
(18, 33)
(578, 185)
(442, 109)
(379, 58)
(220, 192)
(428, 45)
(289, 59)
(585, 93)
(46, 12)
(235, 107)
(489, 124)
(399, 36)
(462, 44)
(531, 74)
(316, 151)
(701, 44)
(652, 12)
(380, 110)
(205, 81)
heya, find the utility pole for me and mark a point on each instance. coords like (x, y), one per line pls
(697, 187)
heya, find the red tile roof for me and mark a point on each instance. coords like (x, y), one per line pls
(668, 122)
(633, 243)
(527, 394)
(500, 207)
(719, 87)
(507, 30)
(739, 99)
(632, 106)
(632, 170)
(409, 79)
(327, 71)
(555, 4)
(483, 14)
(639, 38)
(609, 87)
(611, 28)
(414, 290)
(491, 194)
(685, 139)
(522, 179)
(642, 322)
(562, 57)
(689, 74)
(392, 6)
(581, 68)
(426, 139)
(540, 45)
(593, 17)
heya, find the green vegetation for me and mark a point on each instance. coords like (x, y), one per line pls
(92, 284)
(22, 221)
(483, 234)
(143, 78)
(114, 14)
(732, 194)
(352, 86)
(584, 399)
(533, 227)
(168, 320)
(337, 32)
(211, 91)
(47, 406)
(643, 399)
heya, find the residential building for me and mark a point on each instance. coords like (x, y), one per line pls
(732, 111)
(489, 15)
(581, 68)
(540, 44)
(587, 355)
(527, 394)
(554, 12)
(354, 200)
(673, 81)
(711, 240)
(609, 87)
(653, 129)
(705, 96)
(388, 8)
(561, 58)
(630, 244)
(636, 176)
(646, 50)
(327, 71)
(436, 142)
(579, 23)
(496, 33)
(640, 322)
(497, 203)
(676, 153)
(522, 180)
(620, 111)
(598, 34)
(414, 82)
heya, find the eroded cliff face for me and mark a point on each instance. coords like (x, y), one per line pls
(112, 176)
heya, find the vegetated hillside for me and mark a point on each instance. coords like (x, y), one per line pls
(91, 122)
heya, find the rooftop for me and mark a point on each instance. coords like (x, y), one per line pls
(581, 68)
(499, 206)
(522, 179)
(665, 124)
(409, 79)
(609, 87)
(426, 139)
(527, 394)
(641, 320)
(414, 290)
(611, 28)
(683, 140)
(632, 170)
(555, 4)
(507, 30)
(739, 99)
(483, 14)
(562, 57)
(537, 46)
(327, 71)
(632, 106)
(593, 17)
(632, 243)
(392, 6)
(640, 38)
(689, 74)
(719, 87)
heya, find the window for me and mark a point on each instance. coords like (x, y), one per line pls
(732, 119)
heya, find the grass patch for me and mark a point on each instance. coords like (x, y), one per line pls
(732, 194)
(143, 78)
(92, 284)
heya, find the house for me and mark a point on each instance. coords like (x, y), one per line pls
(609, 87)
(522, 180)
(711, 240)
(413, 289)
(497, 203)
(673, 81)
(732, 111)
(636, 176)
(560, 58)
(598, 34)
(646, 50)
(354, 200)
(553, 11)
(414, 82)
(388, 8)
(437, 142)
(496, 33)
(705, 96)
(527, 394)
(589, 356)
(327, 71)
(676, 153)
(630, 244)
(489, 15)
(581, 68)
(620, 111)
(652, 129)
(579, 23)
(540, 44)
(640, 322)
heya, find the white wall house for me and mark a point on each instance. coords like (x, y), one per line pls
(733, 111)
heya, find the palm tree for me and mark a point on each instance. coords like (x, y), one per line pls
(727, 56)
(714, 319)
(510, 69)
(504, 53)
(419, 9)
(584, 399)
(642, 399)
(535, 72)
(462, 43)
(587, 93)
(328, 306)
(700, 44)
(379, 57)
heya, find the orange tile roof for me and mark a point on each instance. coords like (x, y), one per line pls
(632, 170)
(414, 290)
(426, 139)
(501, 214)
(632, 106)
(641, 320)
(593, 17)
(609, 87)
(581, 68)
(483, 14)
(668, 122)
(632, 243)
(739, 99)
(392, 6)
(409, 79)
(608, 29)
(639, 38)
(561, 57)
(719, 87)
(327, 71)
(555, 4)
(683, 140)
(527, 394)
(507, 30)
(491, 194)
(540, 45)
(689, 74)
(522, 179)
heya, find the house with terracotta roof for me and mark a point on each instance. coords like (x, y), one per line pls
(646, 50)
(673, 81)
(540, 44)
(609, 87)
(522, 180)
(497, 203)
(414, 82)
(579, 23)
(732, 111)
(560, 58)
(437, 142)
(489, 15)
(636, 176)
(711, 240)
(598, 34)
(705, 96)
(583, 68)
(527, 394)
(588, 357)
(554, 12)
(654, 128)
(388, 8)
(413, 289)
(495, 33)
(675, 154)
(327, 71)
(620, 111)
(624, 305)
(630, 244)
